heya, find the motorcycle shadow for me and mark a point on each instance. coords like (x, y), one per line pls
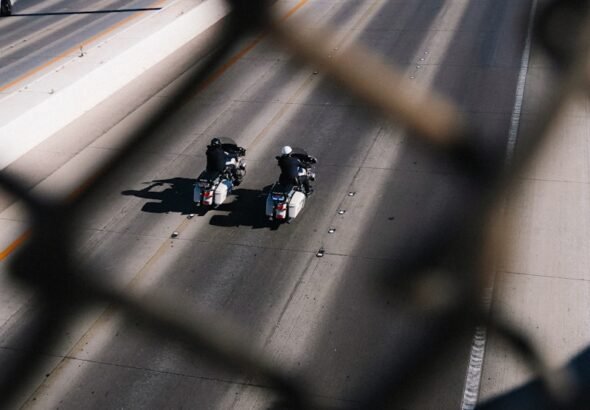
(247, 209)
(176, 197)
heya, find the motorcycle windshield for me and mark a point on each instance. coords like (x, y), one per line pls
(299, 151)
(231, 147)
(227, 141)
(302, 155)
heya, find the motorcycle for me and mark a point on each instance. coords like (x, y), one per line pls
(212, 188)
(286, 201)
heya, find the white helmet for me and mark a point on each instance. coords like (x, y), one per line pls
(286, 150)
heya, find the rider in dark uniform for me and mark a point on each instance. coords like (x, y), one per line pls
(290, 170)
(216, 157)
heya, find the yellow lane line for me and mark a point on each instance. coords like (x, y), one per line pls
(66, 53)
(218, 73)
(15, 244)
(233, 60)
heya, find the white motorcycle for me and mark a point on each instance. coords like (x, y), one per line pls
(285, 201)
(212, 188)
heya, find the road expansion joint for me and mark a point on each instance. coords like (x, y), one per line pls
(305, 272)
(123, 233)
(245, 245)
(553, 180)
(538, 275)
(190, 376)
(11, 318)
(130, 367)
(413, 171)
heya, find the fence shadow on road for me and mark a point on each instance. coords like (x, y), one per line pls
(442, 273)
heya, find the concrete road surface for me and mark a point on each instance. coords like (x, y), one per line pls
(324, 319)
(543, 286)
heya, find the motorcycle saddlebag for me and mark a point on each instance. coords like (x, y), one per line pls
(221, 192)
(296, 204)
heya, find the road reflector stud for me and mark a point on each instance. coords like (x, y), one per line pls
(174, 234)
(320, 253)
(341, 211)
(190, 216)
(351, 193)
(331, 230)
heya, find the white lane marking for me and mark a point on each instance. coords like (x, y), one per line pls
(524, 68)
(478, 344)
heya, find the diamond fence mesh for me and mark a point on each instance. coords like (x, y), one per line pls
(45, 261)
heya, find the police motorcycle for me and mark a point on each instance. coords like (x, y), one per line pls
(212, 188)
(285, 201)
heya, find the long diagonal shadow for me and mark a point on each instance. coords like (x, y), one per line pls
(67, 13)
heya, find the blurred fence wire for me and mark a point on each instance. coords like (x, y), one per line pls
(45, 261)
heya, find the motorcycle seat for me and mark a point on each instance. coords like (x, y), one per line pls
(282, 188)
(207, 176)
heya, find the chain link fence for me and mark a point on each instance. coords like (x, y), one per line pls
(45, 262)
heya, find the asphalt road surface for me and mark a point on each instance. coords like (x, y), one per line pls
(41, 31)
(324, 319)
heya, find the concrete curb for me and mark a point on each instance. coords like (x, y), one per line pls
(48, 112)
